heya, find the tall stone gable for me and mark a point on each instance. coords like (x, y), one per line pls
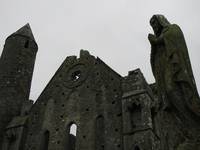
(86, 92)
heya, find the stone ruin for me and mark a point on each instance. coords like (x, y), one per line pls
(110, 112)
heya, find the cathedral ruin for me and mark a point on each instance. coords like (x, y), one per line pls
(111, 112)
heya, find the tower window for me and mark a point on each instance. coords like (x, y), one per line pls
(26, 45)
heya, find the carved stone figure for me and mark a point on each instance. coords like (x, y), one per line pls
(171, 66)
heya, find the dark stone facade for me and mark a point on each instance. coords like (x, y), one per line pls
(110, 111)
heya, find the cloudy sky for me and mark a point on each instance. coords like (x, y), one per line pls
(114, 30)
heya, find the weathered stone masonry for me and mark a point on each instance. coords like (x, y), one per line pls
(111, 112)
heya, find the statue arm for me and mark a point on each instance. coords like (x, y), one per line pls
(154, 42)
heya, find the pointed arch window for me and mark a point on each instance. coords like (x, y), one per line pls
(136, 115)
(71, 136)
(73, 129)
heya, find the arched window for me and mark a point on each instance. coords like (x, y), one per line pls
(71, 137)
(136, 115)
(45, 141)
(73, 129)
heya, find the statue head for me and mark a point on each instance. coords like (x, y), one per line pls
(158, 23)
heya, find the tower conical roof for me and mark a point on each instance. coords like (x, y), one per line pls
(24, 31)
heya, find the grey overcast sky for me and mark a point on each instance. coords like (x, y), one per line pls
(114, 30)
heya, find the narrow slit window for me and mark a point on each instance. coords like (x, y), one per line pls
(26, 45)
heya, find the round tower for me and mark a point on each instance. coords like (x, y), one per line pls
(16, 70)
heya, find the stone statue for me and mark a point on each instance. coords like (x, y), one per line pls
(171, 66)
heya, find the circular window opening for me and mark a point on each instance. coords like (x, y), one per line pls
(76, 75)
